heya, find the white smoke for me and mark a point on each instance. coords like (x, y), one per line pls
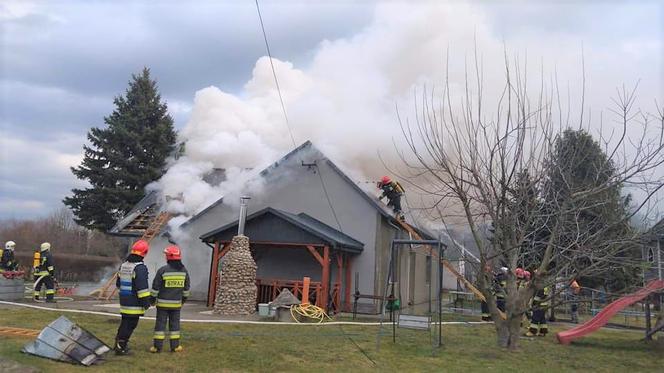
(344, 100)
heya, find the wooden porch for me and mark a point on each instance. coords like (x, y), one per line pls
(332, 297)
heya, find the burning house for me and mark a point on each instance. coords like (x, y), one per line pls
(310, 219)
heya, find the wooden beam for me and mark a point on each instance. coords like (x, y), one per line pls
(340, 265)
(348, 283)
(214, 273)
(447, 265)
(316, 255)
(224, 251)
(326, 276)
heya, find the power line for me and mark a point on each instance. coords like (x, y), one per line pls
(274, 74)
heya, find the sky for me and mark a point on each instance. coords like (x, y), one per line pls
(62, 62)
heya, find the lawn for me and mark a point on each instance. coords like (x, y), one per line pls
(216, 347)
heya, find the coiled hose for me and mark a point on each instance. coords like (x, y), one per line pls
(308, 311)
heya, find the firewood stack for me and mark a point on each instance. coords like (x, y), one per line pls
(236, 293)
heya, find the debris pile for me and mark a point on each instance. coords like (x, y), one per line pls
(236, 293)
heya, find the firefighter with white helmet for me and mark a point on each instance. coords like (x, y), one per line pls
(44, 273)
(170, 289)
(7, 261)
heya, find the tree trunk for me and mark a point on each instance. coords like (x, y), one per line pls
(508, 332)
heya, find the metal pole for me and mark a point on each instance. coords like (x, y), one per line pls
(392, 275)
(243, 215)
(659, 260)
(440, 290)
(648, 322)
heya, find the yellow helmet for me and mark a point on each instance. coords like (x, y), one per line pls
(45, 246)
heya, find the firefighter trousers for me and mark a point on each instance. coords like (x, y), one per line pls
(538, 322)
(45, 281)
(127, 326)
(172, 316)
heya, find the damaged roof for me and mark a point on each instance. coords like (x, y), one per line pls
(136, 221)
(267, 225)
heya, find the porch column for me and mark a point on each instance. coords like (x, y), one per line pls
(219, 251)
(326, 276)
(214, 264)
(347, 269)
(337, 297)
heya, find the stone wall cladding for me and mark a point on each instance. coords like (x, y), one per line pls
(237, 291)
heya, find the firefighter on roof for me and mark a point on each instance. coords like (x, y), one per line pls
(44, 272)
(393, 191)
(170, 289)
(134, 294)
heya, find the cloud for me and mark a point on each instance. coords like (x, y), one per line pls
(343, 69)
(35, 174)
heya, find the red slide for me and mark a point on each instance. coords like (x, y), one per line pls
(607, 313)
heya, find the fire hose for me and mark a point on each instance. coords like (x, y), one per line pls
(308, 311)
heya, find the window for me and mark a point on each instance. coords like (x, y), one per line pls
(651, 255)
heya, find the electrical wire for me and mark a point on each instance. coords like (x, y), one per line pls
(274, 74)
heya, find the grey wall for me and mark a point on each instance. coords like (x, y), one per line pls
(293, 188)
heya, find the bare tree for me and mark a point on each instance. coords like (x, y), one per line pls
(490, 168)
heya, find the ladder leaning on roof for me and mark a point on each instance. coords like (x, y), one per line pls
(107, 290)
(449, 266)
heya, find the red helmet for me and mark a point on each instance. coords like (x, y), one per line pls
(385, 180)
(526, 274)
(140, 247)
(519, 272)
(173, 253)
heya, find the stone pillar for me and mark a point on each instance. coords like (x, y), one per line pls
(236, 293)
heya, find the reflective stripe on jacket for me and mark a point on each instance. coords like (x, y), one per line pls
(133, 285)
(45, 267)
(541, 298)
(170, 286)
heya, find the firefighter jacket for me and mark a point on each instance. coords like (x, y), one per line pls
(170, 286)
(541, 298)
(133, 284)
(8, 263)
(45, 265)
(499, 285)
(391, 190)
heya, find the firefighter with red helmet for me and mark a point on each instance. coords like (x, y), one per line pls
(393, 191)
(134, 293)
(170, 290)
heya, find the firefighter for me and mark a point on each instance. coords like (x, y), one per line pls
(486, 314)
(500, 284)
(170, 290)
(134, 292)
(393, 191)
(538, 326)
(574, 291)
(8, 263)
(44, 273)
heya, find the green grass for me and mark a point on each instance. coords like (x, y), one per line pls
(215, 347)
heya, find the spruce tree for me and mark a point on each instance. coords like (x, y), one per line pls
(592, 227)
(124, 156)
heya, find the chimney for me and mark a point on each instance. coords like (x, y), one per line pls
(243, 215)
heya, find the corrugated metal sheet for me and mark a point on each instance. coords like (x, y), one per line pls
(63, 340)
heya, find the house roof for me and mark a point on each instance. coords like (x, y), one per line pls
(136, 221)
(266, 225)
(139, 218)
(307, 145)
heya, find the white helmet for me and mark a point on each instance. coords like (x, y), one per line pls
(504, 269)
(10, 245)
(45, 246)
